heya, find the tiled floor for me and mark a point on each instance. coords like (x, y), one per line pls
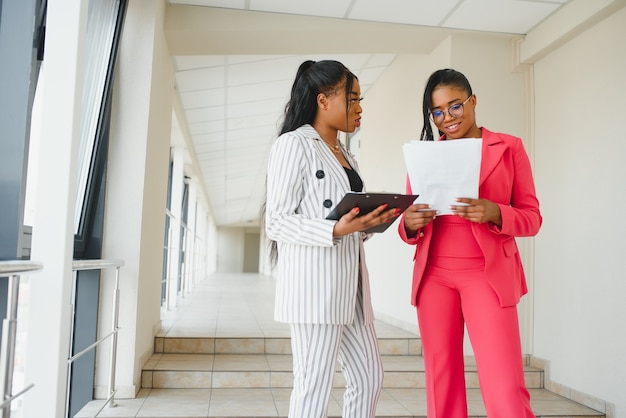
(235, 305)
(241, 306)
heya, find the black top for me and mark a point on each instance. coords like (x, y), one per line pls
(356, 184)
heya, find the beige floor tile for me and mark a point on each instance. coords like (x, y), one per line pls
(188, 345)
(242, 403)
(281, 379)
(415, 347)
(182, 380)
(282, 407)
(544, 395)
(223, 395)
(412, 395)
(563, 407)
(237, 362)
(475, 407)
(243, 345)
(196, 362)
(402, 363)
(277, 345)
(415, 408)
(395, 379)
(146, 379)
(281, 394)
(393, 346)
(176, 402)
(280, 362)
(243, 408)
(124, 407)
(243, 379)
(390, 407)
(474, 395)
(154, 359)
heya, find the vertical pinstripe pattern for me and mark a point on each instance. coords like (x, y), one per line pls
(315, 350)
(360, 361)
(322, 288)
(317, 274)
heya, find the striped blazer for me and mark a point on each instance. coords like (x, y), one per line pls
(317, 274)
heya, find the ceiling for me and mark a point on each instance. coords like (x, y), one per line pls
(232, 104)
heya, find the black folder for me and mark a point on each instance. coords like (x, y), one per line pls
(367, 202)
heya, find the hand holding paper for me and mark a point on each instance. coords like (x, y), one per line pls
(441, 171)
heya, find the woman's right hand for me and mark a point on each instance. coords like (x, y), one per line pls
(352, 222)
(418, 216)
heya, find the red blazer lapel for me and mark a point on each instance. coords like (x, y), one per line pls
(492, 150)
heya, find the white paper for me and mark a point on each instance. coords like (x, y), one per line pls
(442, 171)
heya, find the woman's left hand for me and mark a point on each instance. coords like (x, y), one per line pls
(477, 210)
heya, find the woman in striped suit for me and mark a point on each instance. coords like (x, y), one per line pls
(322, 289)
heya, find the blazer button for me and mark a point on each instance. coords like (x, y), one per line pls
(421, 234)
(328, 203)
(320, 174)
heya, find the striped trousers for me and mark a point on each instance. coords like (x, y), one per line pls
(316, 348)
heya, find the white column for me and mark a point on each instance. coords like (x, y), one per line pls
(192, 241)
(49, 317)
(202, 228)
(178, 162)
(136, 190)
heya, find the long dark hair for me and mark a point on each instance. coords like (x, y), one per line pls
(311, 79)
(445, 77)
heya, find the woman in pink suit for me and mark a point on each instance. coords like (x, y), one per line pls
(467, 269)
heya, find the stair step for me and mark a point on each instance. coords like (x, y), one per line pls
(205, 371)
(200, 345)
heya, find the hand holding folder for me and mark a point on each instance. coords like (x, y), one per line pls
(367, 202)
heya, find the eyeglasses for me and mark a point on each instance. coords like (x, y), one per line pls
(456, 111)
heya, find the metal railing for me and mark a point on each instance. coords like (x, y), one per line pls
(81, 265)
(13, 270)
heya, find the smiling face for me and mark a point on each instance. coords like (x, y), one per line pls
(452, 111)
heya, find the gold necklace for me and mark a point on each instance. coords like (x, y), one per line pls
(333, 148)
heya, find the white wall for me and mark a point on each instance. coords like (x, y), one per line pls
(391, 117)
(212, 243)
(230, 249)
(580, 145)
(251, 252)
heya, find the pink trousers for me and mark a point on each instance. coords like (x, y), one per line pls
(449, 298)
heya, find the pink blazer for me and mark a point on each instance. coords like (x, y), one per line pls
(506, 179)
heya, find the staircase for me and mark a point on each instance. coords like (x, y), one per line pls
(221, 354)
(243, 377)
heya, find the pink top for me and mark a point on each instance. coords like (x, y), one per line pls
(453, 237)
